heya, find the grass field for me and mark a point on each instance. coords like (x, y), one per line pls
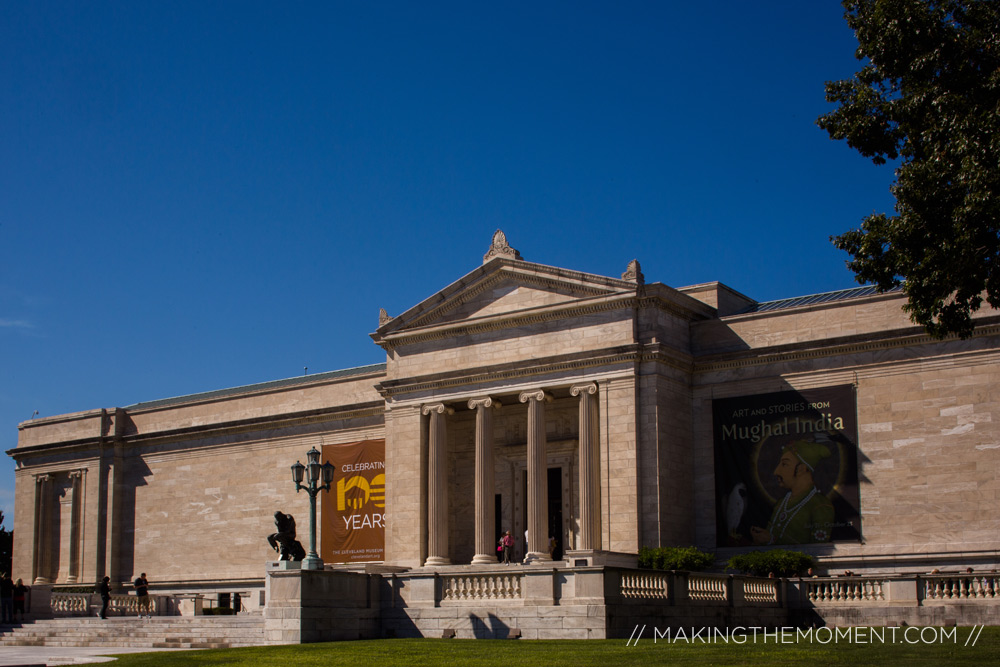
(959, 649)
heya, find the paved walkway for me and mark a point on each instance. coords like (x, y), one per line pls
(65, 655)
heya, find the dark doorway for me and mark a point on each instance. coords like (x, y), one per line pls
(498, 523)
(555, 511)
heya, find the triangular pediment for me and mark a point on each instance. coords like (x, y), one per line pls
(504, 288)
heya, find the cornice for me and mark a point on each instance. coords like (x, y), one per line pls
(235, 427)
(479, 376)
(527, 317)
(810, 350)
(589, 306)
(625, 355)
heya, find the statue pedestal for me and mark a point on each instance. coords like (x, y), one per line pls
(284, 565)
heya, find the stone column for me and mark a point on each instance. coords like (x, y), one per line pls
(437, 485)
(43, 506)
(77, 478)
(590, 486)
(485, 548)
(538, 478)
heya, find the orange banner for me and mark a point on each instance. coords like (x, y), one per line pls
(353, 511)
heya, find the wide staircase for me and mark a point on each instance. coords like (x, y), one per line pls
(180, 632)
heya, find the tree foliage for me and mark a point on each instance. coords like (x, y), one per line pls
(6, 547)
(928, 95)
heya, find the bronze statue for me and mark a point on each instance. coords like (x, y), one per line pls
(284, 541)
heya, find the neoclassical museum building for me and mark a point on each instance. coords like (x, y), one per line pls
(589, 416)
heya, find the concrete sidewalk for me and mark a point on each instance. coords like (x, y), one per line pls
(66, 655)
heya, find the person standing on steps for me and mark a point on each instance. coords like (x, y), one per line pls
(142, 592)
(104, 588)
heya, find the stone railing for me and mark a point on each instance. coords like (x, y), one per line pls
(645, 585)
(849, 590)
(480, 587)
(71, 604)
(761, 590)
(964, 587)
(699, 588)
(707, 587)
(84, 604)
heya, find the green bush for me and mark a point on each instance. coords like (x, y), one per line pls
(675, 558)
(779, 561)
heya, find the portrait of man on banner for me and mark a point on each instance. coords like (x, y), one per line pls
(786, 468)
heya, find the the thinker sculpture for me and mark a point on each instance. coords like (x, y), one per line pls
(284, 541)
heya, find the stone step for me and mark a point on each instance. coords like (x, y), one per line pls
(162, 632)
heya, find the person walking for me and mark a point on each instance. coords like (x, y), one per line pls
(142, 592)
(104, 588)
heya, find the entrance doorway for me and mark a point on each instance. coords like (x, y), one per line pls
(555, 511)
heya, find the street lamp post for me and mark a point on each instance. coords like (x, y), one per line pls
(313, 472)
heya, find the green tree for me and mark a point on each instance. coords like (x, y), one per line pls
(6, 547)
(927, 95)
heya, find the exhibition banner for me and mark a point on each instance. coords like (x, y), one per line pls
(786, 468)
(353, 511)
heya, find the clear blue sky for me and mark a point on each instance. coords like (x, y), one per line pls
(203, 195)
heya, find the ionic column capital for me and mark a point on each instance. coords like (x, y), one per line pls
(44, 477)
(588, 388)
(483, 402)
(439, 408)
(78, 474)
(535, 394)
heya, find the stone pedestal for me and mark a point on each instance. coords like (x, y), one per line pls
(306, 606)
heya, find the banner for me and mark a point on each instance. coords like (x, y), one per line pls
(353, 511)
(786, 468)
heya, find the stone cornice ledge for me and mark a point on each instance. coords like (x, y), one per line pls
(842, 346)
(209, 430)
(626, 354)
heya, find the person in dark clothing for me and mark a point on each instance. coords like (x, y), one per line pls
(104, 588)
(20, 591)
(142, 592)
(6, 599)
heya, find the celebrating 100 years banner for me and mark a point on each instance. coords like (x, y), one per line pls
(786, 467)
(353, 511)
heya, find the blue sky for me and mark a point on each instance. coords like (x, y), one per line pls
(203, 195)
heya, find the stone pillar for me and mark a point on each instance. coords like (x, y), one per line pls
(485, 548)
(437, 485)
(590, 467)
(76, 478)
(43, 511)
(538, 478)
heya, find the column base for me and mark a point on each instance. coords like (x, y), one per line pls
(484, 559)
(436, 561)
(540, 558)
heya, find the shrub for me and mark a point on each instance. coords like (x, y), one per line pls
(779, 561)
(675, 558)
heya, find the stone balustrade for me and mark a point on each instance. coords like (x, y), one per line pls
(642, 585)
(480, 587)
(707, 587)
(848, 590)
(960, 587)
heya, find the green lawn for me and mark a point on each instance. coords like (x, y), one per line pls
(599, 653)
